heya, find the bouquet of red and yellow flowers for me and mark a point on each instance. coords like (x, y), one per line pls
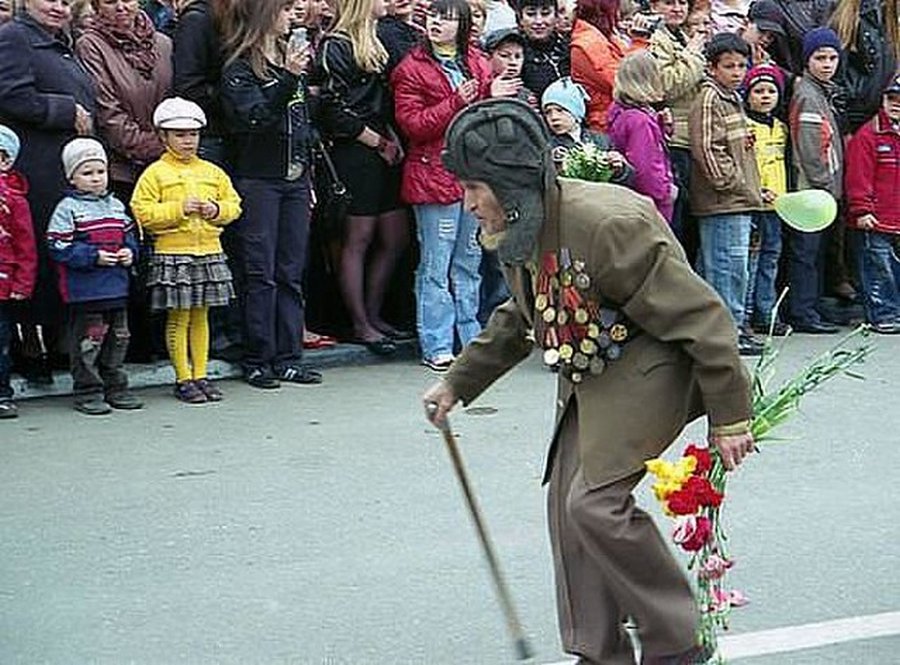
(692, 489)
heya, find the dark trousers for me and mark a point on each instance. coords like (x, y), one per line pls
(99, 342)
(6, 328)
(684, 226)
(804, 277)
(611, 562)
(273, 233)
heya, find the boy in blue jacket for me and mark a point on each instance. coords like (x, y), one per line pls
(91, 238)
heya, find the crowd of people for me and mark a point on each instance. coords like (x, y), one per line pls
(162, 164)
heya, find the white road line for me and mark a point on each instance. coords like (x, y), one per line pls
(805, 636)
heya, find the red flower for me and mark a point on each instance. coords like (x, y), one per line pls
(692, 533)
(703, 490)
(704, 459)
(683, 502)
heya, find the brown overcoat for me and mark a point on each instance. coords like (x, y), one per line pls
(125, 102)
(684, 363)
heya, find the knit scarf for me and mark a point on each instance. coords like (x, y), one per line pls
(136, 44)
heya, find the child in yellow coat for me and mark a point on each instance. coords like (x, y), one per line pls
(183, 202)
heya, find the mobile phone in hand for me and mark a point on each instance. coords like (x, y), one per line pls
(298, 39)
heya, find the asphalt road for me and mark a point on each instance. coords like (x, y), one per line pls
(323, 525)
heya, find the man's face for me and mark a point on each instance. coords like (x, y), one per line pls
(506, 60)
(823, 63)
(763, 97)
(91, 177)
(565, 17)
(756, 37)
(673, 12)
(479, 200)
(537, 23)
(698, 23)
(891, 105)
(6, 163)
(729, 70)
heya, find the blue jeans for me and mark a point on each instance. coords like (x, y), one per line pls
(6, 328)
(724, 251)
(449, 258)
(879, 275)
(763, 268)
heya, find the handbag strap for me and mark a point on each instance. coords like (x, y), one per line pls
(337, 185)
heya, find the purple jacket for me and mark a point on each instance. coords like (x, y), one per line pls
(636, 132)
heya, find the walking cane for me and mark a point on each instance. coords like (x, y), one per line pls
(520, 642)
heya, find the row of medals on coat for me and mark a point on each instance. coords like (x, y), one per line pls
(578, 334)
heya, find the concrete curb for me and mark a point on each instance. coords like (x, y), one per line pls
(151, 375)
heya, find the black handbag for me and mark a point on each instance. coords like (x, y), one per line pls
(333, 196)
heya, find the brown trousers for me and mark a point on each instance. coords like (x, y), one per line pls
(611, 563)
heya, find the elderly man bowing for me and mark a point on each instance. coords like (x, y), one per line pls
(643, 346)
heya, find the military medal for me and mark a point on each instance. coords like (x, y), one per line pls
(578, 333)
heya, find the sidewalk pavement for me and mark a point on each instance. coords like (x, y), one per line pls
(160, 373)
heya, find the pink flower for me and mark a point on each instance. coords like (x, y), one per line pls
(721, 600)
(737, 598)
(714, 567)
(692, 532)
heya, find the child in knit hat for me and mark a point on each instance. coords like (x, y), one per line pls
(763, 94)
(564, 110)
(819, 163)
(18, 255)
(92, 240)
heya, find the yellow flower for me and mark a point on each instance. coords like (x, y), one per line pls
(663, 489)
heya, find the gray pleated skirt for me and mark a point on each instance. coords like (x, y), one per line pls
(181, 282)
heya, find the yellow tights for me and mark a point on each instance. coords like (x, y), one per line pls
(188, 328)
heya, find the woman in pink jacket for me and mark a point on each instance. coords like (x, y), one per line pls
(637, 131)
(431, 84)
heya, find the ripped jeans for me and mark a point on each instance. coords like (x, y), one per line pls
(447, 279)
(99, 341)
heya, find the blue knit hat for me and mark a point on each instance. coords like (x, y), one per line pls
(569, 95)
(9, 142)
(820, 38)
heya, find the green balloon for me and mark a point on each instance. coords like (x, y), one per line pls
(808, 211)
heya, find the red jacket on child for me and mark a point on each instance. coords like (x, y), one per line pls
(18, 254)
(424, 105)
(872, 179)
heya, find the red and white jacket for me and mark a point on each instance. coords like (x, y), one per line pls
(872, 180)
(18, 253)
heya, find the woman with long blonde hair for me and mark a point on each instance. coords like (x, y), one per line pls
(355, 117)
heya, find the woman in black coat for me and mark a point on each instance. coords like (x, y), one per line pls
(197, 67)
(47, 98)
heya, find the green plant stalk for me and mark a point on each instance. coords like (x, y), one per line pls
(769, 411)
